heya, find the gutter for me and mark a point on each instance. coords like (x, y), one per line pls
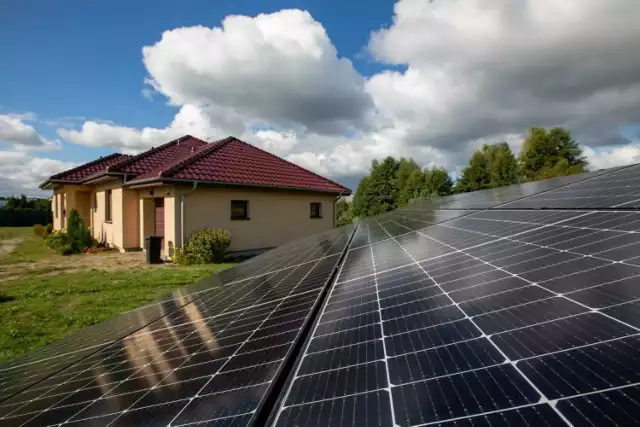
(195, 184)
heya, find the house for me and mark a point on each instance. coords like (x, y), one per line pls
(189, 184)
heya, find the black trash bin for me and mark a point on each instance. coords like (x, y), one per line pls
(153, 245)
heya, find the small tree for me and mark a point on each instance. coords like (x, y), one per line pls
(344, 213)
(78, 235)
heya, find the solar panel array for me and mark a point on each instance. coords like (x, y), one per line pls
(515, 306)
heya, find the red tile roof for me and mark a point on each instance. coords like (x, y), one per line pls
(79, 173)
(228, 161)
(233, 161)
(159, 157)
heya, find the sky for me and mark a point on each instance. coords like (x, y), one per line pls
(325, 84)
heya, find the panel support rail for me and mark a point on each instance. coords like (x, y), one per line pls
(268, 409)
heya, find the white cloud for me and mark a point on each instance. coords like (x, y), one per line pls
(22, 136)
(21, 173)
(478, 68)
(189, 120)
(613, 156)
(278, 68)
(477, 71)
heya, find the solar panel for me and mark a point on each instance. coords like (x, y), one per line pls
(612, 188)
(515, 306)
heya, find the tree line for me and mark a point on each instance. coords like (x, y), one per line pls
(22, 211)
(393, 183)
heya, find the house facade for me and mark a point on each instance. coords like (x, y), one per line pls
(189, 184)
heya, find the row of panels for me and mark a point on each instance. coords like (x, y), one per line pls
(478, 320)
(35, 366)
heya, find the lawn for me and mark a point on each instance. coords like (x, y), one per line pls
(44, 296)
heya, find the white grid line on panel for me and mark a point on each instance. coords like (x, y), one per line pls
(506, 238)
(547, 289)
(243, 343)
(543, 398)
(159, 357)
(384, 344)
(551, 403)
(283, 405)
(97, 364)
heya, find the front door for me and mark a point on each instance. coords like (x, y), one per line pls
(159, 222)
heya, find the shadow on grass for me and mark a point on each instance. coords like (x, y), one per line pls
(5, 298)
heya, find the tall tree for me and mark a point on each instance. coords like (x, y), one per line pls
(405, 168)
(503, 166)
(361, 198)
(476, 176)
(550, 154)
(413, 187)
(382, 186)
(437, 181)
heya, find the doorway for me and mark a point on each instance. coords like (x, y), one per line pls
(159, 220)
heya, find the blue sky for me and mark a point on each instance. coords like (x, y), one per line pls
(330, 86)
(84, 60)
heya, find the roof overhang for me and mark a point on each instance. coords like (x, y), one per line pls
(153, 182)
(52, 184)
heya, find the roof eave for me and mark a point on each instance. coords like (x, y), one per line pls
(51, 183)
(161, 181)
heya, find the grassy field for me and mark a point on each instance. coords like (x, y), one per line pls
(44, 296)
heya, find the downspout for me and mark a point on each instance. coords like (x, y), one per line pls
(195, 184)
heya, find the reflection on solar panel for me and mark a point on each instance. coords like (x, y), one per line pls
(475, 310)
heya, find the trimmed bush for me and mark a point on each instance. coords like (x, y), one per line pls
(206, 246)
(39, 230)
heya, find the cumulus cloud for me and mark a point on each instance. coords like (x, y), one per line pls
(279, 68)
(479, 68)
(613, 156)
(189, 120)
(21, 173)
(473, 72)
(22, 136)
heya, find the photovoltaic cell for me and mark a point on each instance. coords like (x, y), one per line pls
(505, 307)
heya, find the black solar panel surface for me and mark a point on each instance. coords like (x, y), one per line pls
(479, 309)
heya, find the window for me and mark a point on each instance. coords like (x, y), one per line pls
(55, 204)
(239, 209)
(107, 205)
(94, 201)
(316, 211)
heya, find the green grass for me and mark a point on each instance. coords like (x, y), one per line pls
(31, 247)
(36, 310)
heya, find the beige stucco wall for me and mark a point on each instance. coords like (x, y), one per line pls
(102, 230)
(276, 216)
(56, 207)
(131, 220)
(70, 197)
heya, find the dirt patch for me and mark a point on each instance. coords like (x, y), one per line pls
(57, 264)
(8, 245)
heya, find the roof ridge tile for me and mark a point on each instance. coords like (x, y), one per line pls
(212, 146)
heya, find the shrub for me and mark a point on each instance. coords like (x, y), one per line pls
(48, 229)
(205, 246)
(66, 249)
(57, 239)
(183, 257)
(39, 230)
(79, 236)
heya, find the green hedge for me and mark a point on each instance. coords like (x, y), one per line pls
(24, 217)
